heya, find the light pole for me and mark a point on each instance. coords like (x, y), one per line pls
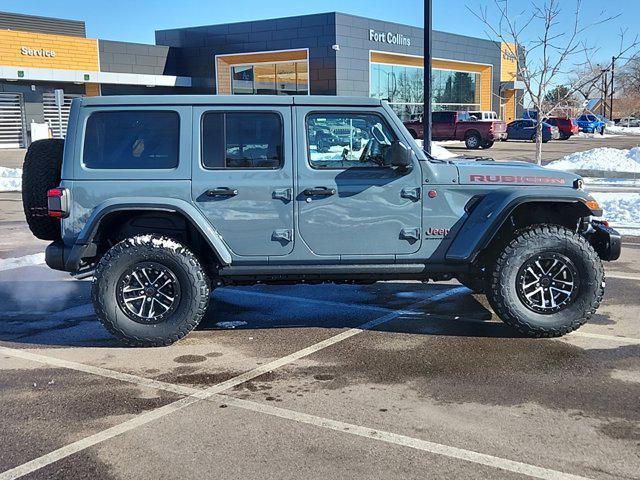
(426, 111)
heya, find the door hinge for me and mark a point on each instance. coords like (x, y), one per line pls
(284, 194)
(284, 236)
(410, 234)
(411, 193)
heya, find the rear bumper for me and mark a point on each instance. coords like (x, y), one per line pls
(498, 136)
(56, 255)
(606, 241)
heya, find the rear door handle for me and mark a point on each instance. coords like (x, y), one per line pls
(222, 192)
(319, 192)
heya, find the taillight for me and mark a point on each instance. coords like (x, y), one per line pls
(57, 203)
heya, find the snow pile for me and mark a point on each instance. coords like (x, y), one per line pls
(595, 135)
(441, 152)
(618, 130)
(10, 179)
(620, 208)
(18, 262)
(602, 159)
(438, 151)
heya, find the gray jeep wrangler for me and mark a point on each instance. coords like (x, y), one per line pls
(161, 199)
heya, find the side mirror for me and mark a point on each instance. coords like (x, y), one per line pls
(399, 156)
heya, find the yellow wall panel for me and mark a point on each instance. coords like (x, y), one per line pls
(71, 53)
(508, 63)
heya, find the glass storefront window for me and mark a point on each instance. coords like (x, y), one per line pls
(283, 78)
(402, 87)
(242, 80)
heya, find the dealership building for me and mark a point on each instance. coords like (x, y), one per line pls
(320, 54)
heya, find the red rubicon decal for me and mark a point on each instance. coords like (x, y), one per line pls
(516, 179)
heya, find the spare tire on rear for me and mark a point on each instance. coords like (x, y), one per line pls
(40, 173)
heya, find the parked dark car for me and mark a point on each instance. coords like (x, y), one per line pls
(459, 126)
(526, 130)
(567, 127)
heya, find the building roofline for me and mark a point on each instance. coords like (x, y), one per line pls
(41, 17)
(335, 13)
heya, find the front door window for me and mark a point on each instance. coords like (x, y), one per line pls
(347, 140)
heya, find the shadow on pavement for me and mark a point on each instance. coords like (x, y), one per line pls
(59, 313)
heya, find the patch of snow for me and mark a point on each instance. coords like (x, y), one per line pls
(18, 262)
(620, 208)
(155, 241)
(612, 182)
(618, 130)
(441, 152)
(594, 135)
(233, 324)
(601, 159)
(438, 151)
(10, 179)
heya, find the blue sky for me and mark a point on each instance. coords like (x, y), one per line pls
(136, 20)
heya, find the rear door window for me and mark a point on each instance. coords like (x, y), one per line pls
(132, 139)
(240, 140)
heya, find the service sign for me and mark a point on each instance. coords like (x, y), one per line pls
(37, 52)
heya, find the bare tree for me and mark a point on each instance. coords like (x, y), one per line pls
(550, 45)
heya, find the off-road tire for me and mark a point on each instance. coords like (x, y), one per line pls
(413, 133)
(534, 240)
(473, 141)
(488, 144)
(193, 282)
(40, 173)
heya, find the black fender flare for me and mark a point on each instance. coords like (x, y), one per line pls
(490, 213)
(190, 213)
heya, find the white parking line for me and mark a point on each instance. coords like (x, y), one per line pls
(611, 338)
(151, 415)
(314, 301)
(18, 262)
(622, 276)
(405, 441)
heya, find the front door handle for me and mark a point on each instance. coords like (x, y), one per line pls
(222, 192)
(319, 192)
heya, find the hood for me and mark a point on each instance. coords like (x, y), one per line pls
(486, 172)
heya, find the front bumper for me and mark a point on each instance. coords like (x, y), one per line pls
(606, 241)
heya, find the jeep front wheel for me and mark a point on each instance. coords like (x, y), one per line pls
(547, 282)
(149, 291)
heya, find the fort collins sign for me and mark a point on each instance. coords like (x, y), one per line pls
(389, 37)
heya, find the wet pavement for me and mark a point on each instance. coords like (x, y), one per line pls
(279, 382)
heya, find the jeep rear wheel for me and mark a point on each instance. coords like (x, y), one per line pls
(547, 282)
(150, 291)
(41, 172)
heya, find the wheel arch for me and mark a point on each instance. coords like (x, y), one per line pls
(472, 131)
(501, 212)
(107, 215)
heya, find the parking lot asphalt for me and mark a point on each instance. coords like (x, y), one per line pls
(554, 150)
(395, 379)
